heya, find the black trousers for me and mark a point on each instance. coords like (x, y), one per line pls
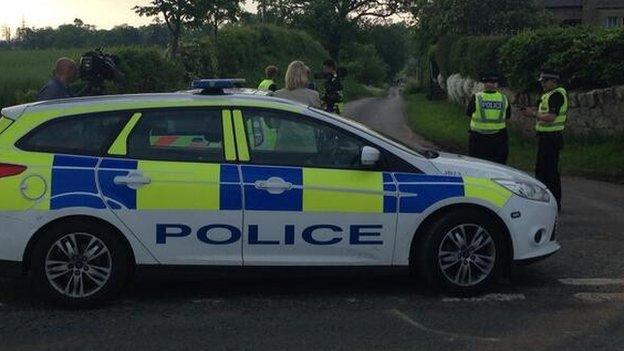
(490, 147)
(549, 146)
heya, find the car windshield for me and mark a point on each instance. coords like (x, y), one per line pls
(420, 151)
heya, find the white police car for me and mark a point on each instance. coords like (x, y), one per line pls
(95, 189)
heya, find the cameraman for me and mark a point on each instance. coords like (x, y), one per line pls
(65, 73)
(332, 96)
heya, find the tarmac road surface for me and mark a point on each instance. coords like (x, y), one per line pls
(572, 301)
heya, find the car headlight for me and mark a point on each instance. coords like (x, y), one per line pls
(527, 190)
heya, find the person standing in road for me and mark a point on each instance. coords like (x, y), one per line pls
(489, 111)
(333, 96)
(65, 73)
(268, 84)
(551, 116)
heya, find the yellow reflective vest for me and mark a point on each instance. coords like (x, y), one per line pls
(559, 123)
(490, 111)
(266, 84)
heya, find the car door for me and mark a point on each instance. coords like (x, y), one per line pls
(308, 198)
(171, 184)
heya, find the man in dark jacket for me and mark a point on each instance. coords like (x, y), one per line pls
(65, 73)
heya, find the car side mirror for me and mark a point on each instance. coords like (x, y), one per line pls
(370, 156)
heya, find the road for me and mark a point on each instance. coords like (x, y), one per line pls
(573, 301)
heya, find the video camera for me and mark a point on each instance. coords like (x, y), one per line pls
(341, 73)
(97, 67)
(332, 92)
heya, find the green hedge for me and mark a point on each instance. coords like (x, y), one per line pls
(470, 56)
(244, 52)
(586, 57)
(147, 70)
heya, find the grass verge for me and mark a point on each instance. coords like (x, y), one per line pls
(446, 125)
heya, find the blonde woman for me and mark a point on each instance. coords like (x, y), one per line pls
(297, 79)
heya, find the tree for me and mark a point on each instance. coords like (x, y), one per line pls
(437, 18)
(331, 21)
(392, 43)
(280, 12)
(176, 14)
(214, 13)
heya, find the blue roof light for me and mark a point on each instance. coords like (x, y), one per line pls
(214, 84)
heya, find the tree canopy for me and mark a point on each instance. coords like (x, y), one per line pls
(436, 18)
(333, 22)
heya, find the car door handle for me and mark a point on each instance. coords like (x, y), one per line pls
(133, 180)
(273, 185)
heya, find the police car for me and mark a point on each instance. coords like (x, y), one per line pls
(95, 189)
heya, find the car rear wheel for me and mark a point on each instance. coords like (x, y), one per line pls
(80, 264)
(462, 252)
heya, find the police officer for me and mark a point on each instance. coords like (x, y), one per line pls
(551, 117)
(489, 111)
(65, 73)
(268, 84)
(332, 97)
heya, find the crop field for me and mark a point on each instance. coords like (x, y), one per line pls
(23, 72)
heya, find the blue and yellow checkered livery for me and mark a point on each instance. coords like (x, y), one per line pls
(90, 182)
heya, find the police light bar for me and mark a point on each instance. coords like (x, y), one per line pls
(217, 84)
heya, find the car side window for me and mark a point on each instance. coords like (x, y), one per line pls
(89, 134)
(178, 135)
(287, 139)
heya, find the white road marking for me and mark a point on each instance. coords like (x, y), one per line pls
(600, 297)
(591, 281)
(451, 336)
(487, 298)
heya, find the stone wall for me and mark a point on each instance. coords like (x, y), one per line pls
(596, 112)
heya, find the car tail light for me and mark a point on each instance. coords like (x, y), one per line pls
(7, 170)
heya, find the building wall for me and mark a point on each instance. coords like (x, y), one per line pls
(595, 12)
(570, 15)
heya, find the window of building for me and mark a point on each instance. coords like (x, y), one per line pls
(613, 22)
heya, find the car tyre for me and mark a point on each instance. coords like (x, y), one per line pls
(80, 264)
(462, 252)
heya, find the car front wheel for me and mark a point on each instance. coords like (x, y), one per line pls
(462, 252)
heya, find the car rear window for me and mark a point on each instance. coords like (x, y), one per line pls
(89, 134)
(4, 123)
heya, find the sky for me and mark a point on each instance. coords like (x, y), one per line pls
(104, 14)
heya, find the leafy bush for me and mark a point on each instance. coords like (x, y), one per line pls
(586, 57)
(244, 52)
(470, 56)
(364, 64)
(148, 71)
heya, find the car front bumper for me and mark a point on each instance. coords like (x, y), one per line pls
(532, 226)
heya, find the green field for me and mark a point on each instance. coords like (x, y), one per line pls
(24, 70)
(446, 125)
